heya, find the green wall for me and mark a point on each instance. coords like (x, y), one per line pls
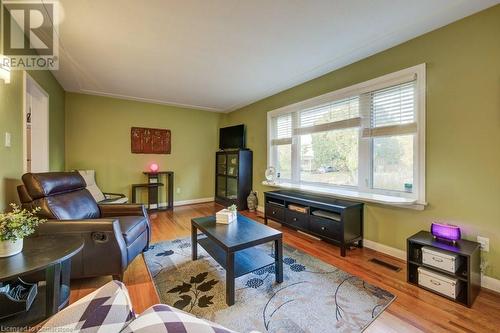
(98, 137)
(463, 129)
(11, 120)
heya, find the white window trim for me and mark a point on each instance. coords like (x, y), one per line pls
(364, 192)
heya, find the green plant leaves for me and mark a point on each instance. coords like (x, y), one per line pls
(18, 223)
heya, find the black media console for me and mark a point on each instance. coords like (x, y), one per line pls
(333, 220)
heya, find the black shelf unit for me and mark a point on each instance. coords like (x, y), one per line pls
(233, 177)
(468, 273)
(345, 231)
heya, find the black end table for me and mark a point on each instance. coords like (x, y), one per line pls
(52, 254)
(153, 185)
(468, 273)
(233, 247)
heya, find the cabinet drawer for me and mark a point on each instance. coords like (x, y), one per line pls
(275, 212)
(438, 282)
(297, 219)
(437, 258)
(325, 227)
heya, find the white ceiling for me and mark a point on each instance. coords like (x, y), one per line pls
(220, 55)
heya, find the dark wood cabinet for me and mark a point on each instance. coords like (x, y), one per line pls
(333, 220)
(233, 177)
(467, 273)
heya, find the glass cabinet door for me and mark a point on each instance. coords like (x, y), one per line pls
(232, 188)
(221, 186)
(221, 164)
(232, 165)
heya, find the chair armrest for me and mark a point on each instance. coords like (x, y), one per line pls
(109, 194)
(122, 210)
(52, 227)
(105, 249)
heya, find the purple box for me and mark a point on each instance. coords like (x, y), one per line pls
(446, 231)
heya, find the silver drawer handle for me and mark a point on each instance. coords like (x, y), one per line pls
(274, 212)
(435, 283)
(323, 228)
(295, 219)
(437, 259)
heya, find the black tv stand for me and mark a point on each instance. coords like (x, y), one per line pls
(333, 220)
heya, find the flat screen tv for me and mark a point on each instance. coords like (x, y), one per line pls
(232, 137)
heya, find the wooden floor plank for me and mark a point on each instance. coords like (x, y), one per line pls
(414, 310)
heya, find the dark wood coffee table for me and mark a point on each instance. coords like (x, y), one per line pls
(52, 254)
(233, 247)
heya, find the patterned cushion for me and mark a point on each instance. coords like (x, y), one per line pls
(162, 318)
(89, 176)
(107, 310)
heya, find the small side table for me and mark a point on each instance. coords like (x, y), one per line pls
(52, 254)
(468, 274)
(153, 185)
(152, 193)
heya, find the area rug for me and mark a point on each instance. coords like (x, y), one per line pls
(314, 296)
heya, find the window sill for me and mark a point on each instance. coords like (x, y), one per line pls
(393, 201)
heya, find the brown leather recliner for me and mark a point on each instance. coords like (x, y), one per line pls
(113, 234)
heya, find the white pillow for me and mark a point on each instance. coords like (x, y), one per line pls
(95, 191)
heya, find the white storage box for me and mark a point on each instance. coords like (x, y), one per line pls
(225, 216)
(447, 261)
(440, 283)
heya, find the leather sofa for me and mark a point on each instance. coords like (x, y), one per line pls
(113, 234)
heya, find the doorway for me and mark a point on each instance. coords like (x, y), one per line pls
(36, 126)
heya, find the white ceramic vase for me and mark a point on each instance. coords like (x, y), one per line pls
(9, 248)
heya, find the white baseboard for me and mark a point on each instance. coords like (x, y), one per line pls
(400, 254)
(186, 202)
(486, 281)
(490, 283)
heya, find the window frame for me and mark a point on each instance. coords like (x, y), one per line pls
(365, 145)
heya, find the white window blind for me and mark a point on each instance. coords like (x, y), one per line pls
(335, 115)
(368, 138)
(392, 111)
(282, 130)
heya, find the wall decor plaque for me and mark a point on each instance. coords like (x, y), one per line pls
(150, 140)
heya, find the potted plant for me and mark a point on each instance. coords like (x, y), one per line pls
(14, 226)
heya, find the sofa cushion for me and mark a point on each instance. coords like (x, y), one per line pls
(132, 227)
(108, 309)
(162, 318)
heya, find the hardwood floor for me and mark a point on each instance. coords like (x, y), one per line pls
(414, 310)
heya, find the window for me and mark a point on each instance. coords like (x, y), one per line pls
(367, 138)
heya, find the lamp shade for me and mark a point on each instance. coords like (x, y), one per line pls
(153, 167)
(446, 231)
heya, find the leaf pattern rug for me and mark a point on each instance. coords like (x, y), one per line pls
(314, 296)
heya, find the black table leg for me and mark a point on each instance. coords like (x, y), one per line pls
(278, 259)
(230, 278)
(65, 281)
(342, 250)
(170, 188)
(194, 242)
(53, 288)
(134, 189)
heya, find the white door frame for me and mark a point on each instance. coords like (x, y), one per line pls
(27, 78)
